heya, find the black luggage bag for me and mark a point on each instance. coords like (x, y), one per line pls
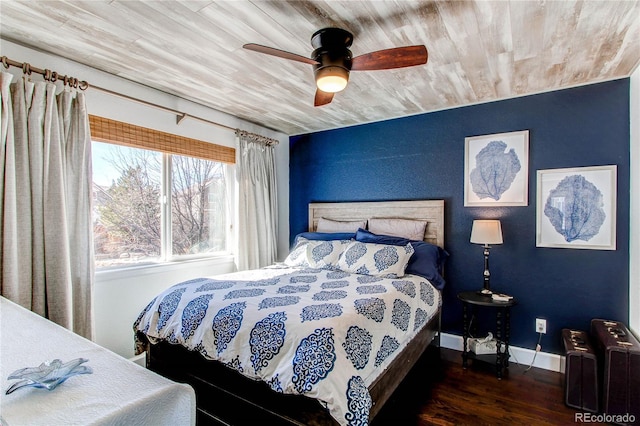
(619, 361)
(581, 371)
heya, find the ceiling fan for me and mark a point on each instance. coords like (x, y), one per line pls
(332, 60)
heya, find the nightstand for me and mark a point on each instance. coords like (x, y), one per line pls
(471, 301)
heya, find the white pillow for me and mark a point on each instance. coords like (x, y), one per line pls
(405, 228)
(325, 254)
(375, 259)
(329, 225)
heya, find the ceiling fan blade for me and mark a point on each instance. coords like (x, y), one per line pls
(322, 98)
(279, 53)
(398, 57)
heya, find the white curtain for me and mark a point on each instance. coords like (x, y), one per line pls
(46, 250)
(257, 201)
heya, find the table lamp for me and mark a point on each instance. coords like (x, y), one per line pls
(486, 232)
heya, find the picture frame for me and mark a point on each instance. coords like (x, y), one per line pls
(576, 208)
(496, 170)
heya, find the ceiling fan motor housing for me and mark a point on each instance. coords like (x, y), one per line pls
(332, 53)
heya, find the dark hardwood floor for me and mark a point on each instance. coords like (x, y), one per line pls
(437, 391)
(447, 394)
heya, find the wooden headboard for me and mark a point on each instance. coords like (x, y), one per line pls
(430, 210)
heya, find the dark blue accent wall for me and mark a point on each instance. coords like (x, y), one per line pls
(422, 157)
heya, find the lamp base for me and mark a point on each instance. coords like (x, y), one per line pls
(485, 292)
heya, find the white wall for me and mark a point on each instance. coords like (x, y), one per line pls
(634, 226)
(119, 297)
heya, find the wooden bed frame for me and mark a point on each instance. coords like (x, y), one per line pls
(225, 397)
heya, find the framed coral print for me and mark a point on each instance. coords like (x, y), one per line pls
(576, 208)
(496, 170)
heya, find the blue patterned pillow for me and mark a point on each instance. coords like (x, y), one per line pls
(298, 256)
(427, 261)
(375, 259)
(316, 253)
(325, 254)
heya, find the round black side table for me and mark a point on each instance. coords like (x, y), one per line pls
(471, 300)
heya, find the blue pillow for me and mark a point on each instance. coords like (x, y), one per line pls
(427, 260)
(325, 236)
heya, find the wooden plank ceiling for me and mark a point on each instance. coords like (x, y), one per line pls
(479, 51)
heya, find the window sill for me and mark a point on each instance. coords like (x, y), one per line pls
(159, 268)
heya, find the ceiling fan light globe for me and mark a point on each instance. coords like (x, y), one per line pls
(331, 84)
(332, 79)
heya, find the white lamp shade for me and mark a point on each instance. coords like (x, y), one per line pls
(486, 232)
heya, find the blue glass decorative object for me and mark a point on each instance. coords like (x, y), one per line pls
(47, 375)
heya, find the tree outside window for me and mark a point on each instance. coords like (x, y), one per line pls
(128, 210)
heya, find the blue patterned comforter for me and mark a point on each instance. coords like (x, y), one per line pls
(326, 334)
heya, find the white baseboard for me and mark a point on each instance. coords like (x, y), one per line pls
(545, 360)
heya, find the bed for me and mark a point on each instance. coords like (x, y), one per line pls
(323, 338)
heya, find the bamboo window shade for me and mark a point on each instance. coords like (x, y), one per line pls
(120, 133)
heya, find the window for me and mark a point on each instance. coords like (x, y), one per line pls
(152, 206)
(127, 187)
(198, 206)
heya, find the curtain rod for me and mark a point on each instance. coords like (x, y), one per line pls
(180, 115)
(48, 75)
(253, 137)
(53, 76)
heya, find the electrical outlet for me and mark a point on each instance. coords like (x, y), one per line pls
(541, 325)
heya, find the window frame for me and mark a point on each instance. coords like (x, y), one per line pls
(114, 132)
